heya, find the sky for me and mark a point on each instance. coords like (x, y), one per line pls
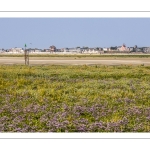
(73, 32)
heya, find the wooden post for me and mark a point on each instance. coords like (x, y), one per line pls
(26, 55)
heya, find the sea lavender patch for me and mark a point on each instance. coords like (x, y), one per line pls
(74, 99)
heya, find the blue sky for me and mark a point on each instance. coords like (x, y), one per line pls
(73, 32)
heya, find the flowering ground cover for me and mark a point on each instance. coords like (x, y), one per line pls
(74, 98)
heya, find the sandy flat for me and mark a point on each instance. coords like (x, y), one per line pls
(75, 61)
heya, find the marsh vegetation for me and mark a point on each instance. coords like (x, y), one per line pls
(74, 98)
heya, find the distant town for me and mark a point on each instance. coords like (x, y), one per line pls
(53, 49)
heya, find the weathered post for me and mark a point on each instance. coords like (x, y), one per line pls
(26, 55)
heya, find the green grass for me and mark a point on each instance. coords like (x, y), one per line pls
(74, 98)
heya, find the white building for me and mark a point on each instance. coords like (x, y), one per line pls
(105, 49)
(16, 50)
(71, 50)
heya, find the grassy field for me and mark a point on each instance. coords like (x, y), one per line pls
(74, 98)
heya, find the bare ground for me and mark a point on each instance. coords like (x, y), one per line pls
(75, 61)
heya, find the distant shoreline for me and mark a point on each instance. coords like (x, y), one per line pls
(78, 55)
